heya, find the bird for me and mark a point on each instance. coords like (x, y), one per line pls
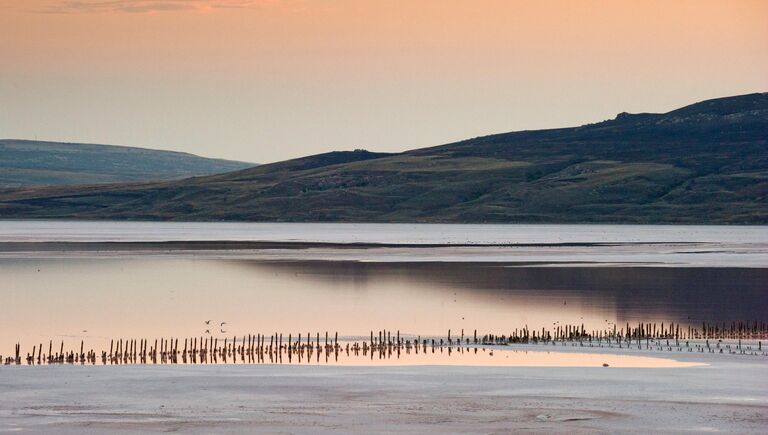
(207, 322)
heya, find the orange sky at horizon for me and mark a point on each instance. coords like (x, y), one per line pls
(265, 80)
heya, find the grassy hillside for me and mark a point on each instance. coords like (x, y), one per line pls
(35, 163)
(704, 163)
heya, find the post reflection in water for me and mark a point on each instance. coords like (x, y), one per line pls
(100, 299)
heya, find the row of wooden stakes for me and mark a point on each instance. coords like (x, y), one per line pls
(254, 348)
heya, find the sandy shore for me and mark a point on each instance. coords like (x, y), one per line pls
(730, 394)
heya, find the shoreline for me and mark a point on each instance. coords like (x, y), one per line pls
(728, 395)
(231, 245)
(597, 254)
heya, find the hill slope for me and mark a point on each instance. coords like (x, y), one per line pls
(34, 163)
(704, 163)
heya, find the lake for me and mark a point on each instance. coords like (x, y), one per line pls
(593, 275)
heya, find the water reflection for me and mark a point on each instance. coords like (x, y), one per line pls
(626, 294)
(102, 299)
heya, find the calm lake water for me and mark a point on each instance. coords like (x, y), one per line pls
(99, 296)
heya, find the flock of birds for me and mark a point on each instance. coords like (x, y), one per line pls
(221, 327)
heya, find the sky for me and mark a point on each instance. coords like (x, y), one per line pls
(268, 80)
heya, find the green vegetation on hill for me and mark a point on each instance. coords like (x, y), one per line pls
(36, 163)
(704, 163)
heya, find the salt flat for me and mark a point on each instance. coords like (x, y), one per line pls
(722, 255)
(729, 394)
(452, 234)
(577, 245)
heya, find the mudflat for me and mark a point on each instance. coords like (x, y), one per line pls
(728, 394)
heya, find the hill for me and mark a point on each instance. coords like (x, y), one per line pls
(36, 163)
(704, 163)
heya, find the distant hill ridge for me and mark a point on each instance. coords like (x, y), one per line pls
(703, 163)
(33, 163)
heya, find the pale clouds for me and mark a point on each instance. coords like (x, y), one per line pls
(157, 6)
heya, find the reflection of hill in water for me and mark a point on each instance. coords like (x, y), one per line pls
(635, 293)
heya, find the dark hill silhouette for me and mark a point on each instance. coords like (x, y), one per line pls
(703, 163)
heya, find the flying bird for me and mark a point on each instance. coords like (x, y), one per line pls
(207, 322)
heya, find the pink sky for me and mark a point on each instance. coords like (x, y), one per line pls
(265, 80)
